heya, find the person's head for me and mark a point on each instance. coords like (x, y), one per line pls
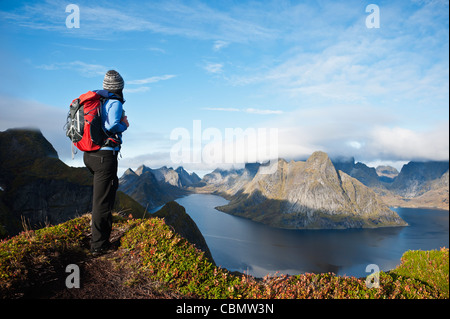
(113, 82)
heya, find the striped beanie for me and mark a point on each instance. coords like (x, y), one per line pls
(113, 81)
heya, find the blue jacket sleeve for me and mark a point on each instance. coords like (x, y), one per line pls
(113, 119)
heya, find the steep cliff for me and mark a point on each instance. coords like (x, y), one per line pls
(37, 187)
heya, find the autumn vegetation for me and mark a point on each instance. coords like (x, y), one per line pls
(150, 249)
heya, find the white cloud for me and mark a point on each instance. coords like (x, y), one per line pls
(141, 89)
(355, 144)
(136, 90)
(349, 64)
(225, 109)
(212, 67)
(370, 134)
(264, 112)
(367, 133)
(198, 20)
(405, 144)
(93, 70)
(343, 73)
(247, 110)
(84, 69)
(219, 44)
(152, 79)
(157, 50)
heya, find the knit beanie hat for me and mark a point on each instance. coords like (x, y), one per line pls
(113, 81)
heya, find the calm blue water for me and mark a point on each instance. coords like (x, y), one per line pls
(240, 244)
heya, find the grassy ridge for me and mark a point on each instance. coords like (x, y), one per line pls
(430, 267)
(161, 254)
(24, 257)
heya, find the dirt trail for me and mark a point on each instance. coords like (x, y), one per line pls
(110, 276)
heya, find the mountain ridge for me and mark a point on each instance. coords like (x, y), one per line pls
(418, 184)
(155, 187)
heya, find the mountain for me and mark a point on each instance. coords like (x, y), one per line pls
(155, 187)
(178, 177)
(365, 174)
(420, 184)
(163, 175)
(311, 194)
(187, 179)
(437, 194)
(416, 178)
(36, 187)
(219, 177)
(143, 187)
(227, 182)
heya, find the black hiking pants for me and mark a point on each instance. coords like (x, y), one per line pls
(103, 165)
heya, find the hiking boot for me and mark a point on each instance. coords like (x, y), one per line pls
(107, 248)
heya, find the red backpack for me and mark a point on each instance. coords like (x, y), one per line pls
(84, 123)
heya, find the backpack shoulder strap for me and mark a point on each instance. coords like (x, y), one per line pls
(109, 96)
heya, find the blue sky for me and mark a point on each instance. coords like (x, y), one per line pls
(310, 69)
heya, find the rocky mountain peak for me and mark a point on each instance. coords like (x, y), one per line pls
(129, 171)
(320, 162)
(310, 194)
(142, 170)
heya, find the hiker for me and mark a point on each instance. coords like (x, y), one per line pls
(103, 164)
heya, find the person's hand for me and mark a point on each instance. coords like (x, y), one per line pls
(125, 121)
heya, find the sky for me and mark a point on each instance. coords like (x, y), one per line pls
(217, 83)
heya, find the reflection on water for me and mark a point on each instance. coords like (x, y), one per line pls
(240, 244)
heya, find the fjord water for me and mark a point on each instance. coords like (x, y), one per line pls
(240, 244)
